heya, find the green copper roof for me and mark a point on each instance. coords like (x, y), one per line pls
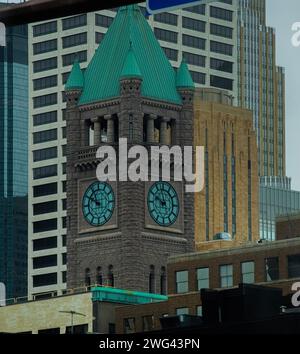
(102, 76)
(184, 78)
(75, 80)
(131, 68)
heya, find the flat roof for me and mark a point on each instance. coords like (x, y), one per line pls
(271, 245)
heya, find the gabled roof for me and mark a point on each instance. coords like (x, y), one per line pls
(75, 80)
(102, 76)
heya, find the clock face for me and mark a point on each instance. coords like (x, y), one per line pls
(98, 203)
(163, 203)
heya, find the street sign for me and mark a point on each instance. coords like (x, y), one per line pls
(156, 6)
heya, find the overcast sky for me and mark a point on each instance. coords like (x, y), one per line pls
(281, 15)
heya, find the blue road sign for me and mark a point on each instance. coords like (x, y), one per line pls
(155, 6)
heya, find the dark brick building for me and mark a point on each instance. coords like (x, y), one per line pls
(275, 264)
(288, 226)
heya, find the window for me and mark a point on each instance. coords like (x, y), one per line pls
(129, 325)
(170, 19)
(226, 276)
(294, 266)
(44, 208)
(221, 65)
(44, 279)
(74, 22)
(44, 28)
(221, 82)
(193, 24)
(194, 59)
(194, 42)
(44, 243)
(74, 40)
(45, 64)
(199, 311)
(197, 77)
(163, 281)
(45, 172)
(221, 48)
(165, 35)
(45, 118)
(45, 154)
(99, 37)
(182, 311)
(45, 47)
(64, 258)
(152, 279)
(203, 278)
(198, 9)
(64, 204)
(44, 82)
(68, 59)
(221, 31)
(45, 225)
(87, 279)
(103, 21)
(77, 329)
(172, 54)
(44, 136)
(45, 189)
(64, 240)
(99, 279)
(248, 276)
(64, 186)
(45, 261)
(46, 100)
(220, 13)
(64, 276)
(271, 269)
(148, 323)
(110, 276)
(182, 282)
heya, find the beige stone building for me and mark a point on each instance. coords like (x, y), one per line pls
(229, 202)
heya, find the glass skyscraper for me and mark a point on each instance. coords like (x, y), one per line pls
(14, 161)
(276, 199)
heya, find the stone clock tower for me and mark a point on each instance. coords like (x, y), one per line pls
(121, 233)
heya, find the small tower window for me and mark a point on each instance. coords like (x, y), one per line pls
(99, 276)
(87, 280)
(110, 277)
(163, 281)
(152, 279)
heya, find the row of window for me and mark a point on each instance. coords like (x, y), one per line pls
(247, 270)
(48, 189)
(48, 225)
(47, 243)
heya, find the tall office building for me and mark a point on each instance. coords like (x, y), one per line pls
(204, 35)
(229, 201)
(261, 85)
(13, 161)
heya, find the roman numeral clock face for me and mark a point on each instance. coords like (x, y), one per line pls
(163, 203)
(98, 203)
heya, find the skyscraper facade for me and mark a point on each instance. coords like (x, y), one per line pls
(204, 35)
(261, 85)
(13, 161)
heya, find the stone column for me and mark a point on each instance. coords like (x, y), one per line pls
(110, 129)
(163, 136)
(150, 128)
(84, 133)
(97, 131)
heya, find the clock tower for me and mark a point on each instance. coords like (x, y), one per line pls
(120, 233)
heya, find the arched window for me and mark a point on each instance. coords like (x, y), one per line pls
(87, 280)
(110, 276)
(152, 279)
(163, 281)
(99, 276)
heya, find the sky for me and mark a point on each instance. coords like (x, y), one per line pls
(281, 14)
